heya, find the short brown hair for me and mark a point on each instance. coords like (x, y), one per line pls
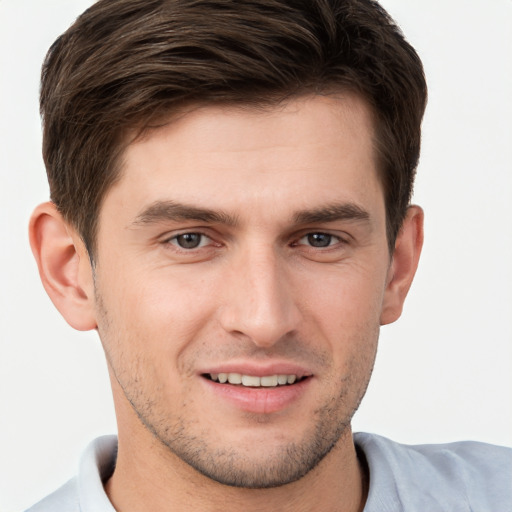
(125, 62)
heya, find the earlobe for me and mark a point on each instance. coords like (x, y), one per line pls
(403, 265)
(64, 266)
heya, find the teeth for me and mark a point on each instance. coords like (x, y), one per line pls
(282, 380)
(234, 378)
(268, 381)
(253, 382)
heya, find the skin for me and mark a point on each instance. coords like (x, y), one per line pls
(261, 192)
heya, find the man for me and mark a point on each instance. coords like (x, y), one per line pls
(230, 210)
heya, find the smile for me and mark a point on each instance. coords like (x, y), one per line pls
(258, 390)
(267, 381)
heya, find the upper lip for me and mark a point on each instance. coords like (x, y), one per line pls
(259, 370)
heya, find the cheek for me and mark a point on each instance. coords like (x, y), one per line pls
(152, 315)
(344, 311)
(161, 297)
(345, 297)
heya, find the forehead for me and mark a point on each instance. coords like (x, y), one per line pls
(309, 149)
(263, 122)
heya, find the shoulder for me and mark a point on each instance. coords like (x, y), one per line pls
(64, 499)
(85, 492)
(456, 476)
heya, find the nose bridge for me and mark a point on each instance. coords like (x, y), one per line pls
(260, 303)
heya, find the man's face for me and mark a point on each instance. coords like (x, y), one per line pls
(250, 246)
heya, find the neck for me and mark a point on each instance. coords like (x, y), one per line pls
(149, 477)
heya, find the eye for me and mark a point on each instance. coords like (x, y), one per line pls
(189, 240)
(319, 240)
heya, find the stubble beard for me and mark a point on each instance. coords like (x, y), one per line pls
(231, 466)
(235, 467)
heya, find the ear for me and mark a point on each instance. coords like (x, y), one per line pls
(403, 265)
(64, 266)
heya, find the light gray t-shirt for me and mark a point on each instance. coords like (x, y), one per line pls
(456, 477)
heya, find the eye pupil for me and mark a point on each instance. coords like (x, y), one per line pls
(319, 239)
(189, 240)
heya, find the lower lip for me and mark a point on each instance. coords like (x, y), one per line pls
(259, 400)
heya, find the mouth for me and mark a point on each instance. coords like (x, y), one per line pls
(258, 390)
(254, 381)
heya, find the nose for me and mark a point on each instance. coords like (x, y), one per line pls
(260, 303)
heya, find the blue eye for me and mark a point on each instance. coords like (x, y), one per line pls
(319, 240)
(189, 240)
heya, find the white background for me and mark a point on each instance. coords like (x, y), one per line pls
(443, 372)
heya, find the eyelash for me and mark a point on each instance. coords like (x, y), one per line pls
(203, 241)
(174, 240)
(330, 236)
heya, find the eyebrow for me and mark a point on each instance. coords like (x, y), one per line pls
(332, 213)
(161, 211)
